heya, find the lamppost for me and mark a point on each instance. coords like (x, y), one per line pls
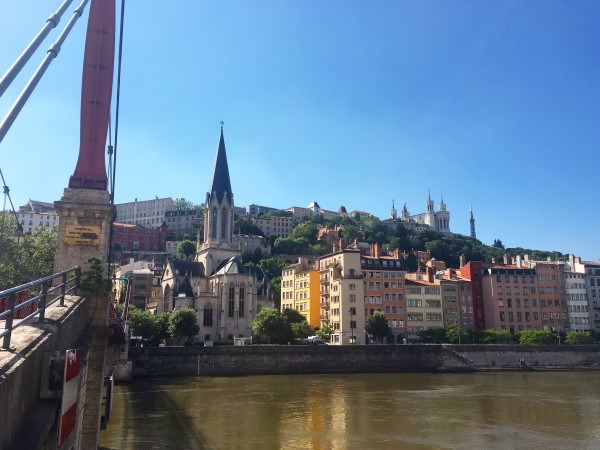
(351, 327)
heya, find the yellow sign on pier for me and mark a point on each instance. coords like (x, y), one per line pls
(80, 235)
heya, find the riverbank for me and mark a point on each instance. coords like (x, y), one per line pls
(282, 360)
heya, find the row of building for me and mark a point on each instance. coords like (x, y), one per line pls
(343, 289)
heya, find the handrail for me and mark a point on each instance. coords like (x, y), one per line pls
(66, 286)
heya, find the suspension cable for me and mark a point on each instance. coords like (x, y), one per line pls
(37, 76)
(113, 154)
(14, 70)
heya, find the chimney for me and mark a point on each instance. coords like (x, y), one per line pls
(493, 260)
(429, 272)
(549, 259)
(505, 259)
(463, 261)
(342, 245)
(526, 257)
(519, 263)
(377, 250)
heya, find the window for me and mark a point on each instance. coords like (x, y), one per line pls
(213, 224)
(231, 308)
(352, 286)
(207, 316)
(241, 302)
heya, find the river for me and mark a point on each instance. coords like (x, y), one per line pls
(499, 410)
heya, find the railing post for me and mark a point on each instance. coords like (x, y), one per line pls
(12, 301)
(42, 304)
(77, 279)
(63, 288)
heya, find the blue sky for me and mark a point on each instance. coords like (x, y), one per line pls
(354, 103)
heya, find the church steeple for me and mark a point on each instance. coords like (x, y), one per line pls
(220, 183)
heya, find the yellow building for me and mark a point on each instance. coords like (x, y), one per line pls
(300, 290)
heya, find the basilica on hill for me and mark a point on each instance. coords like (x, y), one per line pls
(225, 294)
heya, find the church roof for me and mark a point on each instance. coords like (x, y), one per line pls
(195, 269)
(220, 183)
(185, 287)
(234, 266)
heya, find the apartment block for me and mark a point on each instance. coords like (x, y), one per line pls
(591, 270)
(144, 212)
(423, 306)
(279, 226)
(342, 296)
(300, 290)
(578, 307)
(383, 286)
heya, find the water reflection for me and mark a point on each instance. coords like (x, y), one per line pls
(374, 411)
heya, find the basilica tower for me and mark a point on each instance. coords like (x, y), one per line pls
(218, 215)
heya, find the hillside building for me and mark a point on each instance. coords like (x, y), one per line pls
(144, 212)
(300, 290)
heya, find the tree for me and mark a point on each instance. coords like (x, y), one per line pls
(145, 324)
(301, 330)
(25, 258)
(244, 225)
(378, 326)
(272, 267)
(293, 315)
(537, 337)
(183, 322)
(433, 335)
(187, 248)
(497, 337)
(579, 338)
(181, 204)
(498, 244)
(451, 335)
(325, 332)
(272, 325)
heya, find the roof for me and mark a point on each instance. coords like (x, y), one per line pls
(195, 269)
(185, 287)
(234, 266)
(220, 183)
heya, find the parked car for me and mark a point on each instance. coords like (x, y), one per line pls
(313, 340)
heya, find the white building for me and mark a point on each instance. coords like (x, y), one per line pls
(577, 301)
(438, 220)
(37, 214)
(144, 212)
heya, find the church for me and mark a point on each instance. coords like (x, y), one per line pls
(438, 220)
(225, 294)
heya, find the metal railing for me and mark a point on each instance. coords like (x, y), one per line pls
(68, 285)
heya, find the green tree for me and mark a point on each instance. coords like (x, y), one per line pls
(301, 330)
(433, 335)
(497, 337)
(244, 225)
(293, 315)
(378, 326)
(145, 324)
(183, 323)
(272, 266)
(579, 338)
(181, 204)
(537, 337)
(187, 248)
(24, 258)
(451, 335)
(325, 332)
(278, 213)
(93, 280)
(272, 325)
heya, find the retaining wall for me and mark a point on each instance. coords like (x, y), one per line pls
(270, 360)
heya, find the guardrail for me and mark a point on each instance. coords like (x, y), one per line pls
(40, 301)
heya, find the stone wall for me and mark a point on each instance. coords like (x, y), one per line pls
(26, 419)
(263, 360)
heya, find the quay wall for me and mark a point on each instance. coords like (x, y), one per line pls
(271, 360)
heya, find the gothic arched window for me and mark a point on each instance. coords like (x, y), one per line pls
(213, 224)
(224, 224)
(208, 316)
(241, 301)
(231, 305)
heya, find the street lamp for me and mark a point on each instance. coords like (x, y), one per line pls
(351, 327)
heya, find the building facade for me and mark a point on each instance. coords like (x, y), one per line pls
(278, 226)
(438, 220)
(342, 296)
(137, 238)
(183, 224)
(149, 213)
(300, 290)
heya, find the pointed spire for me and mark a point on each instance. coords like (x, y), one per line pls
(220, 183)
(442, 195)
(472, 223)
